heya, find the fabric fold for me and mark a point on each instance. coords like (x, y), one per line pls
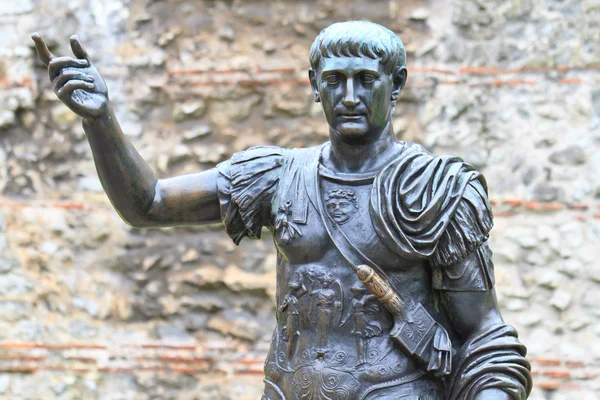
(419, 203)
(440, 361)
(494, 359)
(245, 186)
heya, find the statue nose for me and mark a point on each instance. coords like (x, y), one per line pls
(350, 99)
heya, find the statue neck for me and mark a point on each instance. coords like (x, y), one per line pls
(360, 157)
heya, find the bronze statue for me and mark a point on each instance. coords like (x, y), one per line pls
(386, 281)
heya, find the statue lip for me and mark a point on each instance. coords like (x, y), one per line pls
(350, 112)
(351, 116)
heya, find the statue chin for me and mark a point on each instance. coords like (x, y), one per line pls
(358, 132)
(353, 133)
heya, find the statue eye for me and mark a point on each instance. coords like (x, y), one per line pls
(332, 79)
(367, 77)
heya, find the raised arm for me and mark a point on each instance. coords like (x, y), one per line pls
(139, 197)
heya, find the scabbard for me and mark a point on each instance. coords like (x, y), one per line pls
(415, 331)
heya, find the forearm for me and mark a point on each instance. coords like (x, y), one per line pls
(126, 177)
(139, 198)
(490, 356)
(471, 312)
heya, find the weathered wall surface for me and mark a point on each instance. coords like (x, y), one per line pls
(91, 309)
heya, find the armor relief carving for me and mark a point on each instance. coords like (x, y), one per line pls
(341, 205)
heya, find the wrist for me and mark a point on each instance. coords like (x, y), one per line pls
(102, 116)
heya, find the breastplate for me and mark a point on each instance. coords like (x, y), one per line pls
(332, 335)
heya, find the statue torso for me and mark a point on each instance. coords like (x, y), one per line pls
(332, 336)
(421, 225)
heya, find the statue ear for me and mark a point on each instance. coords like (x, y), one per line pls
(312, 76)
(399, 80)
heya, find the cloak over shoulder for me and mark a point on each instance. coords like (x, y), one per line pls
(428, 207)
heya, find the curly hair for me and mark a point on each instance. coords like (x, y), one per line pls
(342, 194)
(358, 39)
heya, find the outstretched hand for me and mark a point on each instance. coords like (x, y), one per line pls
(75, 81)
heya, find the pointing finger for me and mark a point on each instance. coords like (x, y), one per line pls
(43, 53)
(78, 49)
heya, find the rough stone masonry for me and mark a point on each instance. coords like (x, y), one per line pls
(92, 309)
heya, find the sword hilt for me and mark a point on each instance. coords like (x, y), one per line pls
(382, 291)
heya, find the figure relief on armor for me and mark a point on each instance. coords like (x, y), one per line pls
(362, 306)
(326, 307)
(341, 205)
(290, 307)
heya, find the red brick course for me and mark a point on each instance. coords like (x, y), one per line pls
(27, 358)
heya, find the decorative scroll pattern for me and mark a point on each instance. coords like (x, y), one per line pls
(324, 376)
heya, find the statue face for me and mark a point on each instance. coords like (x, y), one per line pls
(356, 94)
(341, 210)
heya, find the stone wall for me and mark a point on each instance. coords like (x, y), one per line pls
(93, 309)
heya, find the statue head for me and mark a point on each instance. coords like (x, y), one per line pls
(358, 70)
(326, 279)
(341, 205)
